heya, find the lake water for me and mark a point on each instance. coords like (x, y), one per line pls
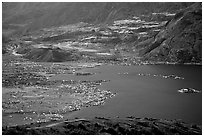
(146, 96)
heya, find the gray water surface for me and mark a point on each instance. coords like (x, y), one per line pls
(147, 96)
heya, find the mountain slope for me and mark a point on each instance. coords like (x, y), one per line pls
(180, 41)
(32, 16)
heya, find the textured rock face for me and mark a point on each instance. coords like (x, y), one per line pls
(179, 41)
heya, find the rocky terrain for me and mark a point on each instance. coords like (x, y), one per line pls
(179, 41)
(107, 126)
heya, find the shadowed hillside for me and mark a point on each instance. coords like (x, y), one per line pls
(49, 55)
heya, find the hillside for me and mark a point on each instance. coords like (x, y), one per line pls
(50, 55)
(179, 41)
(159, 32)
(26, 17)
(107, 126)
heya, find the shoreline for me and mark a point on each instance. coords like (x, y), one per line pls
(78, 65)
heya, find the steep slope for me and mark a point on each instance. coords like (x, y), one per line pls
(179, 41)
(31, 16)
